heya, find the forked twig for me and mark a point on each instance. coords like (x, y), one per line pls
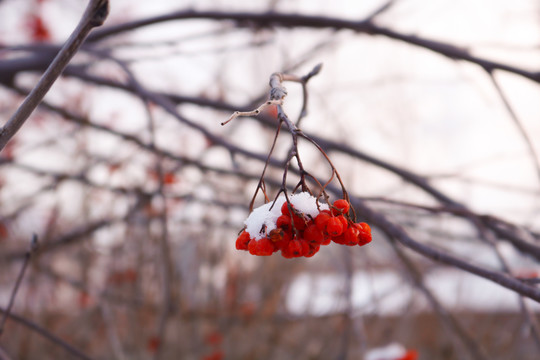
(277, 94)
(255, 112)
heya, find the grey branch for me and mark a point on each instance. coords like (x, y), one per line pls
(94, 15)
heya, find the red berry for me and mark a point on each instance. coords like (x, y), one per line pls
(340, 239)
(341, 206)
(409, 355)
(305, 247)
(295, 248)
(285, 209)
(299, 222)
(351, 236)
(334, 227)
(280, 245)
(344, 221)
(253, 247)
(312, 250)
(286, 253)
(262, 247)
(327, 240)
(313, 235)
(266, 247)
(242, 241)
(284, 222)
(365, 227)
(321, 219)
(364, 236)
(276, 235)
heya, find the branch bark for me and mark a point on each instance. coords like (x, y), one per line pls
(94, 15)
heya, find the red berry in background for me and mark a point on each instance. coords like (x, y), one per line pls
(322, 219)
(214, 338)
(341, 207)
(169, 178)
(3, 231)
(334, 227)
(153, 343)
(242, 241)
(409, 355)
(39, 31)
(83, 299)
(216, 355)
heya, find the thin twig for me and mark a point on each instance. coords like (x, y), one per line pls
(395, 231)
(163, 260)
(255, 112)
(275, 19)
(31, 250)
(449, 320)
(3, 354)
(516, 121)
(47, 335)
(94, 16)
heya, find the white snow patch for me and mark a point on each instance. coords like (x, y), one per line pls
(390, 352)
(263, 215)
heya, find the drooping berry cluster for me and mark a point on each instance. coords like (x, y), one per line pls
(296, 233)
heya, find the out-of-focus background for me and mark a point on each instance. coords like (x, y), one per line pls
(428, 109)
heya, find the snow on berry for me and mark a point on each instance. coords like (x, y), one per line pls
(300, 227)
(263, 219)
(392, 351)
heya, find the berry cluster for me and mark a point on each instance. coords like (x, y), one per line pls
(298, 234)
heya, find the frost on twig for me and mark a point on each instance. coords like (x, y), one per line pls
(278, 92)
(255, 112)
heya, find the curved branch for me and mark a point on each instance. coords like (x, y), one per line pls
(396, 232)
(272, 19)
(47, 335)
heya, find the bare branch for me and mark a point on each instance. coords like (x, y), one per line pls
(396, 232)
(517, 122)
(319, 22)
(31, 250)
(47, 335)
(94, 15)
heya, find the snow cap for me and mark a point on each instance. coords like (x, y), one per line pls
(263, 215)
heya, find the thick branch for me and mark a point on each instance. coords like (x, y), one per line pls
(394, 231)
(94, 15)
